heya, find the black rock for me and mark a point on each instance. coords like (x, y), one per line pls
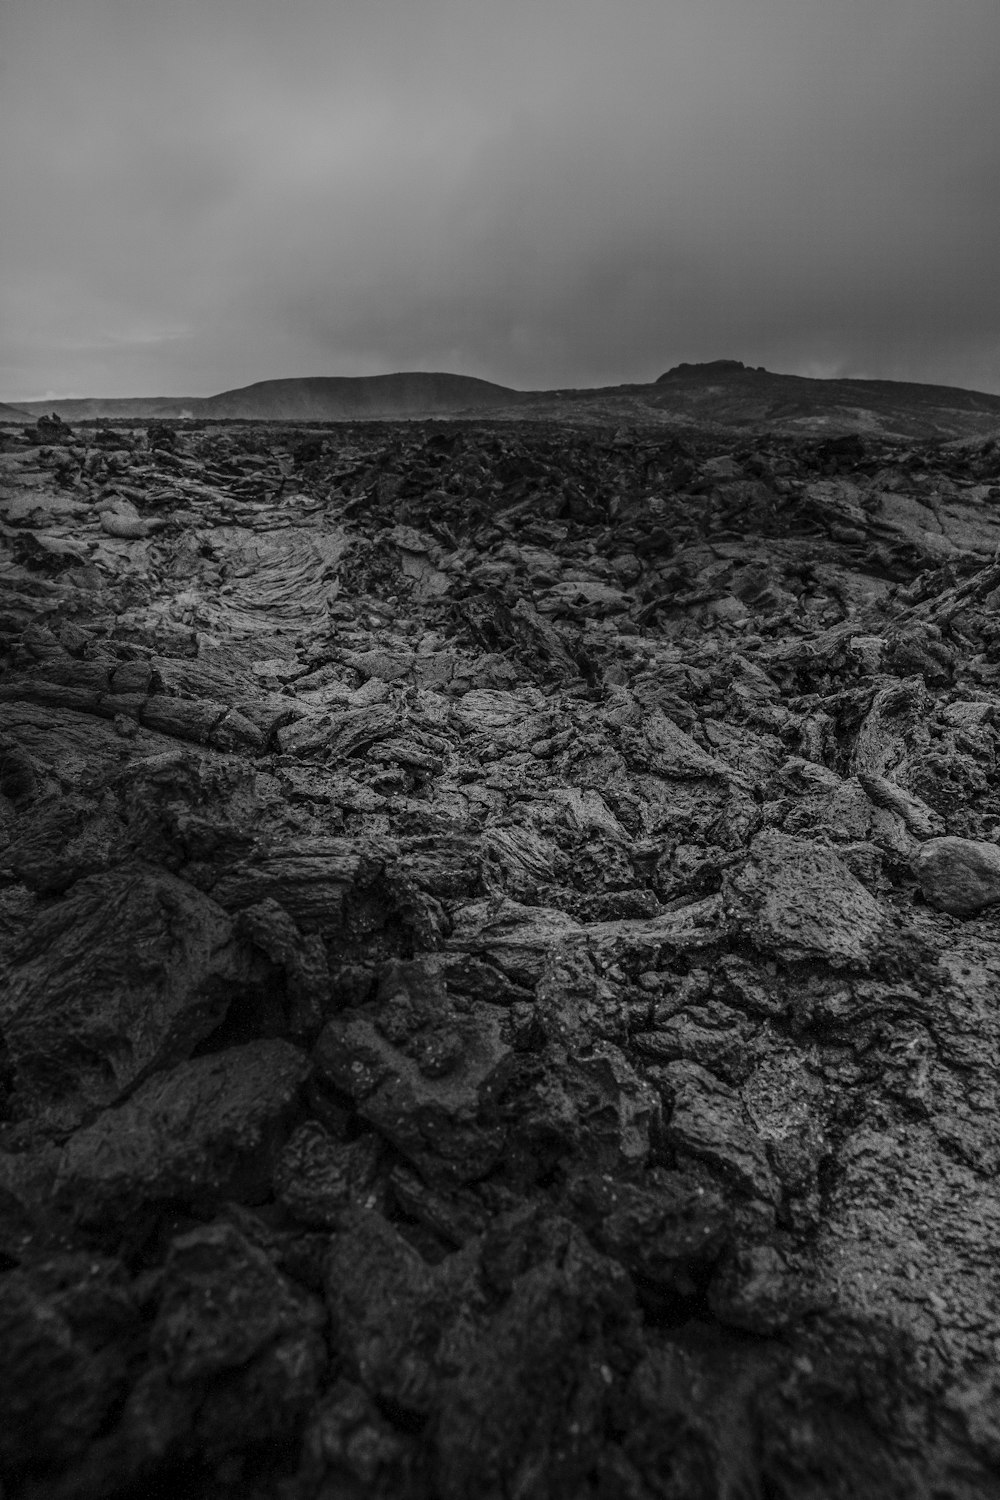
(491, 1001)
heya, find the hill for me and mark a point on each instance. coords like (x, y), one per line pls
(722, 394)
(729, 396)
(733, 395)
(12, 413)
(314, 399)
(332, 398)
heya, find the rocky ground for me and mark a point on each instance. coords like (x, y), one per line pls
(499, 973)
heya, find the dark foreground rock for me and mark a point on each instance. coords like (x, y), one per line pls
(498, 964)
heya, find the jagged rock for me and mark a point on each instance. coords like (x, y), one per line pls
(65, 841)
(196, 1333)
(318, 1178)
(788, 1107)
(66, 1330)
(526, 1399)
(561, 1108)
(207, 1130)
(161, 437)
(665, 750)
(796, 900)
(244, 1345)
(709, 1122)
(420, 1074)
(124, 976)
(562, 789)
(390, 1311)
(499, 626)
(310, 880)
(667, 1232)
(959, 876)
(301, 955)
(516, 938)
(235, 1355)
(922, 821)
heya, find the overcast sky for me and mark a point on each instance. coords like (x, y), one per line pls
(196, 194)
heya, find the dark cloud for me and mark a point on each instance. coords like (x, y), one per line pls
(200, 195)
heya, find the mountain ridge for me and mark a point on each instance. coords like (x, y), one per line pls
(719, 393)
(303, 399)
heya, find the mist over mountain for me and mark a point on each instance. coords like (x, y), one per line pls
(313, 399)
(331, 398)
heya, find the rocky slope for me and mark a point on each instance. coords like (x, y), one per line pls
(499, 965)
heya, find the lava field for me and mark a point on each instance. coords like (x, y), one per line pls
(499, 967)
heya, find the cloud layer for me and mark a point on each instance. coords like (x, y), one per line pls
(578, 192)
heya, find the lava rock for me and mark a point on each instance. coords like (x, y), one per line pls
(209, 1129)
(424, 1088)
(797, 900)
(559, 787)
(959, 876)
(389, 1311)
(120, 979)
(66, 1326)
(318, 1178)
(708, 1121)
(242, 1345)
(221, 1303)
(667, 1231)
(525, 1404)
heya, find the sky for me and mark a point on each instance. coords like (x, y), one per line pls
(198, 194)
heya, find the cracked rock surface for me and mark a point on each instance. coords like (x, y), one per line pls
(498, 964)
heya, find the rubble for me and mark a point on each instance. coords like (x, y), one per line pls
(497, 976)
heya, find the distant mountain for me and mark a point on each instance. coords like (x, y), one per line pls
(12, 413)
(333, 398)
(316, 399)
(721, 394)
(734, 395)
(709, 367)
(729, 395)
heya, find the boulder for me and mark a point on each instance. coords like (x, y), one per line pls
(797, 900)
(959, 876)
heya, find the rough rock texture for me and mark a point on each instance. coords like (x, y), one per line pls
(960, 876)
(123, 976)
(497, 976)
(795, 898)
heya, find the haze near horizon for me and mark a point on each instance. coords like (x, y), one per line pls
(202, 196)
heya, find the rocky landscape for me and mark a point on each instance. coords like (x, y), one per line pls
(722, 393)
(498, 962)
